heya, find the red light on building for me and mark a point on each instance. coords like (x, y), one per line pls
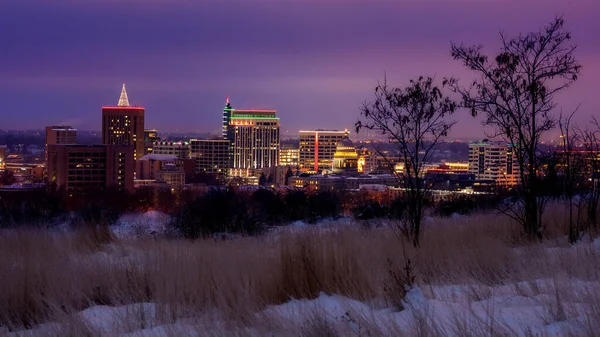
(316, 166)
(122, 108)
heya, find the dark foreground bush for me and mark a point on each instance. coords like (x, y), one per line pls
(322, 205)
(218, 211)
(267, 207)
(296, 205)
(30, 208)
(465, 204)
(225, 211)
(369, 211)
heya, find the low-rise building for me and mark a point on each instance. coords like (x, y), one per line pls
(3, 151)
(328, 182)
(26, 172)
(289, 155)
(60, 135)
(79, 168)
(449, 181)
(211, 155)
(150, 137)
(147, 166)
(277, 175)
(179, 149)
(171, 175)
(345, 158)
(161, 168)
(584, 162)
(373, 162)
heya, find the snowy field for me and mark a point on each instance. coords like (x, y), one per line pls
(439, 311)
(148, 224)
(462, 288)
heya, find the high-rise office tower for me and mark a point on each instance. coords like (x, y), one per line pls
(494, 161)
(254, 135)
(317, 148)
(227, 133)
(124, 125)
(226, 118)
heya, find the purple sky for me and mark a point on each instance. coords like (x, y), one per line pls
(314, 61)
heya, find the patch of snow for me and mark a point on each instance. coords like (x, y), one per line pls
(299, 223)
(447, 309)
(176, 329)
(108, 320)
(225, 236)
(525, 308)
(136, 225)
(428, 219)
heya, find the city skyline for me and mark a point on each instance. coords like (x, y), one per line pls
(180, 59)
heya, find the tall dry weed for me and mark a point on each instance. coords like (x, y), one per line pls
(46, 275)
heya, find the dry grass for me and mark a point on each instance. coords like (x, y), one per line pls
(48, 276)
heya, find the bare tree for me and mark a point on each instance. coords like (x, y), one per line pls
(413, 117)
(590, 139)
(572, 170)
(516, 91)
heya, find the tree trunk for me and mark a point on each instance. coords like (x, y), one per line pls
(592, 213)
(573, 228)
(593, 204)
(417, 225)
(531, 223)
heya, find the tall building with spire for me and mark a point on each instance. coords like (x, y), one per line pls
(226, 118)
(123, 124)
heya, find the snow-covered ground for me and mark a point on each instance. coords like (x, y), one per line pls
(155, 223)
(446, 311)
(559, 306)
(136, 225)
(542, 307)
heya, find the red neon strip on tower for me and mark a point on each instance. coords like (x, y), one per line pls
(122, 108)
(316, 152)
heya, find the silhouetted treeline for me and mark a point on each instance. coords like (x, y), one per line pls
(225, 210)
(228, 211)
(48, 207)
(218, 210)
(196, 214)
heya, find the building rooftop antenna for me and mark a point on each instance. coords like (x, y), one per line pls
(123, 100)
